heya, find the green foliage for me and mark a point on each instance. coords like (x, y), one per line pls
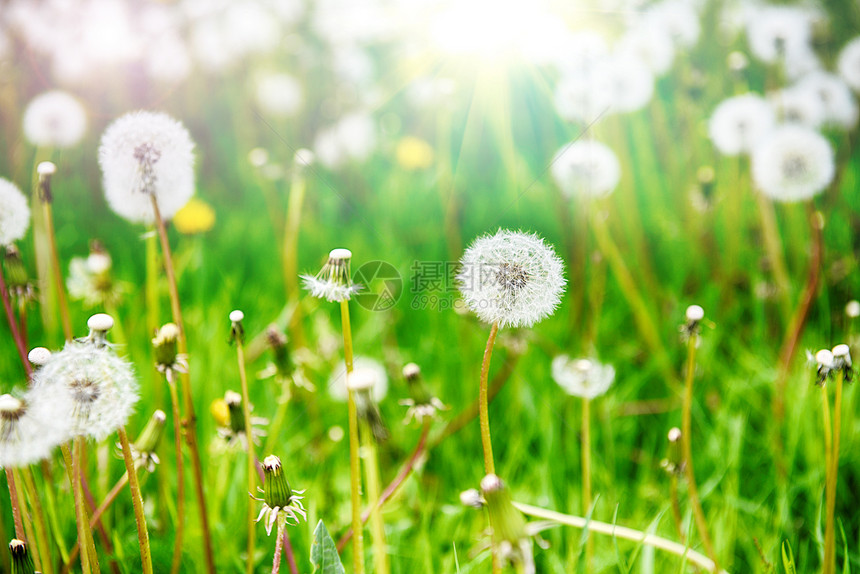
(324, 555)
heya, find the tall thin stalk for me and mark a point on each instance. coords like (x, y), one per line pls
(40, 527)
(291, 242)
(586, 474)
(13, 328)
(180, 479)
(16, 505)
(47, 201)
(85, 536)
(686, 436)
(279, 545)
(377, 525)
(483, 403)
(354, 462)
(137, 502)
(829, 534)
(251, 456)
(190, 416)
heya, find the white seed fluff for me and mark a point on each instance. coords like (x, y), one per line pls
(837, 102)
(145, 153)
(739, 123)
(55, 119)
(794, 163)
(512, 278)
(14, 213)
(30, 428)
(366, 370)
(278, 94)
(849, 64)
(584, 378)
(778, 32)
(586, 168)
(99, 387)
(792, 105)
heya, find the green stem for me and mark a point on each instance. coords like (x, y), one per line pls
(190, 416)
(180, 480)
(377, 524)
(52, 512)
(621, 532)
(483, 403)
(829, 533)
(354, 462)
(97, 514)
(137, 502)
(773, 246)
(279, 545)
(16, 507)
(586, 474)
(291, 243)
(31, 538)
(41, 529)
(251, 457)
(55, 269)
(686, 436)
(85, 537)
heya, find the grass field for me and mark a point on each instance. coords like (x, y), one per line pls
(685, 225)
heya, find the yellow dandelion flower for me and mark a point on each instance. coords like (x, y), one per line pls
(414, 153)
(196, 217)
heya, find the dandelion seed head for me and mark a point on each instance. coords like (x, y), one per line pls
(778, 32)
(797, 106)
(582, 97)
(367, 372)
(100, 322)
(512, 278)
(54, 119)
(849, 64)
(674, 434)
(677, 18)
(586, 168)
(794, 163)
(652, 44)
(629, 82)
(14, 213)
(334, 281)
(236, 316)
(837, 102)
(145, 154)
(739, 123)
(695, 313)
(852, 309)
(841, 351)
(100, 387)
(46, 168)
(584, 378)
(30, 428)
(278, 94)
(824, 358)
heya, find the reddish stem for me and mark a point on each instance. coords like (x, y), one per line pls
(13, 326)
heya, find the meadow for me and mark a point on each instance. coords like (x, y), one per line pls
(656, 308)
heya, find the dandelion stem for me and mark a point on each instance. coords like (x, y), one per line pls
(377, 525)
(190, 416)
(180, 479)
(686, 436)
(775, 255)
(97, 514)
(13, 327)
(137, 502)
(16, 507)
(28, 523)
(829, 533)
(55, 267)
(354, 462)
(40, 527)
(676, 508)
(586, 474)
(291, 243)
(279, 544)
(251, 457)
(483, 403)
(389, 491)
(84, 534)
(621, 532)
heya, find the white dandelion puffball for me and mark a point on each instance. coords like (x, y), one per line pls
(363, 369)
(168, 59)
(511, 278)
(792, 164)
(739, 123)
(30, 428)
(629, 81)
(583, 97)
(144, 154)
(100, 387)
(652, 45)
(794, 106)
(849, 64)
(586, 168)
(836, 98)
(352, 138)
(778, 32)
(584, 378)
(55, 119)
(278, 94)
(14, 213)
(677, 18)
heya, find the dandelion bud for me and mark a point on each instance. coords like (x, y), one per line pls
(17, 279)
(149, 438)
(411, 372)
(852, 309)
(278, 342)
(22, 562)
(674, 461)
(237, 415)
(422, 404)
(706, 176)
(45, 170)
(38, 356)
(237, 331)
(511, 541)
(472, 498)
(277, 490)
(166, 345)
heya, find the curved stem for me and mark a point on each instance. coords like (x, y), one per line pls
(137, 502)
(354, 462)
(190, 416)
(621, 532)
(180, 480)
(483, 404)
(686, 436)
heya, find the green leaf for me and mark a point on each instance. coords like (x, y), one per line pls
(846, 568)
(324, 552)
(788, 559)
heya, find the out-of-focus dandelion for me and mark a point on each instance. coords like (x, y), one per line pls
(232, 427)
(14, 213)
(849, 64)
(31, 427)
(352, 138)
(146, 156)
(792, 164)
(852, 309)
(776, 33)
(143, 449)
(55, 119)
(652, 44)
(739, 123)
(584, 378)
(511, 541)
(278, 94)
(368, 369)
(90, 279)
(796, 106)
(837, 102)
(22, 561)
(334, 282)
(423, 406)
(194, 217)
(586, 168)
